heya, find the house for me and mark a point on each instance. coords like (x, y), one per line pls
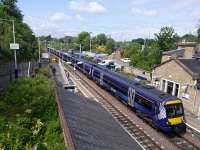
(181, 78)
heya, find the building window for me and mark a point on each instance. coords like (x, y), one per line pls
(170, 87)
(163, 85)
(176, 90)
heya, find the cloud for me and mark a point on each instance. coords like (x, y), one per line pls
(195, 13)
(59, 16)
(140, 2)
(45, 25)
(144, 12)
(91, 7)
(180, 4)
(79, 17)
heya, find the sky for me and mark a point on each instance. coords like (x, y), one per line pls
(121, 19)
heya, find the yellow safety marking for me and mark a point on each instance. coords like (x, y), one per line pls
(173, 102)
(175, 121)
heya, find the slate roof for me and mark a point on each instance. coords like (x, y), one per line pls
(197, 54)
(192, 66)
(177, 52)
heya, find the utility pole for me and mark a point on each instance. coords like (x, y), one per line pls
(80, 49)
(39, 53)
(15, 51)
(60, 46)
(90, 42)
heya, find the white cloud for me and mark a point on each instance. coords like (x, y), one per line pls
(78, 17)
(46, 26)
(91, 7)
(143, 12)
(59, 16)
(180, 4)
(195, 13)
(140, 2)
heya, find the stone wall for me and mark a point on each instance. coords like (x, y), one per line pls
(172, 71)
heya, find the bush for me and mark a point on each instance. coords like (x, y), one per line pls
(28, 115)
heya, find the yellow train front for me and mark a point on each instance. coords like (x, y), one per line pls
(171, 116)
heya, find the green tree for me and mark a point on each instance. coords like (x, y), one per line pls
(110, 46)
(139, 41)
(189, 38)
(100, 39)
(166, 38)
(9, 8)
(83, 39)
(130, 50)
(24, 35)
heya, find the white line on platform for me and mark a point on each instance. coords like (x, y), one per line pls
(193, 128)
(89, 94)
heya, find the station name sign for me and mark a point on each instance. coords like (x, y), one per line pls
(14, 46)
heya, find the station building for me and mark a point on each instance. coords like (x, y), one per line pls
(179, 75)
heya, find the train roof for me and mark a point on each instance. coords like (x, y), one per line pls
(148, 90)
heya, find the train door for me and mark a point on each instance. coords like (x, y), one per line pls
(90, 72)
(101, 78)
(131, 96)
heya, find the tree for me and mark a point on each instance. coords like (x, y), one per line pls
(139, 41)
(9, 8)
(130, 50)
(189, 38)
(100, 39)
(166, 38)
(83, 39)
(110, 46)
(24, 35)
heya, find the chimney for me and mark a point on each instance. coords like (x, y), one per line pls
(189, 52)
(189, 49)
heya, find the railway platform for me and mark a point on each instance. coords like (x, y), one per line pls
(91, 126)
(192, 121)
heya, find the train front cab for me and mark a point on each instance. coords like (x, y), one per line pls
(174, 121)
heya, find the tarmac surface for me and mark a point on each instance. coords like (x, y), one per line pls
(91, 126)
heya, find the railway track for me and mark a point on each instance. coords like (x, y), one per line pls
(183, 143)
(130, 127)
(135, 132)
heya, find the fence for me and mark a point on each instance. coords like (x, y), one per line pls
(7, 71)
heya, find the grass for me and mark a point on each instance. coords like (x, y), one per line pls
(28, 115)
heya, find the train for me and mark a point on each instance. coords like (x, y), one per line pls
(161, 110)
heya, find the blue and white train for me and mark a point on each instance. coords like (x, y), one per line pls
(164, 111)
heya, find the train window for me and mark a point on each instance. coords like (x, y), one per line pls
(174, 110)
(143, 101)
(115, 85)
(96, 74)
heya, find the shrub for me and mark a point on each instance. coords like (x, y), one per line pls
(28, 115)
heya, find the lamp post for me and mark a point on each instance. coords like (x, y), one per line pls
(39, 60)
(90, 42)
(14, 40)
